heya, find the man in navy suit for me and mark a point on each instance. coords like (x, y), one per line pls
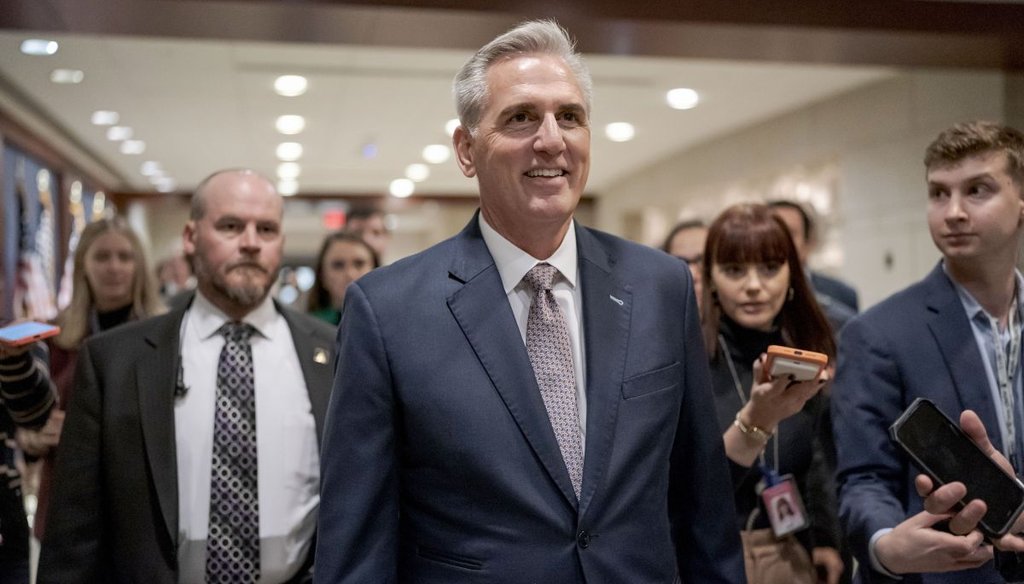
(443, 462)
(954, 338)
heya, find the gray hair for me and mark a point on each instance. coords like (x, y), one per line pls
(197, 209)
(544, 37)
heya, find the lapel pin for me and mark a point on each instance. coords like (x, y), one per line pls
(616, 300)
(320, 356)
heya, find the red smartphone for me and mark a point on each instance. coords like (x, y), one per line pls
(802, 365)
(23, 333)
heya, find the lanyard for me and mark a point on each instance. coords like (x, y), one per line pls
(771, 475)
(1007, 361)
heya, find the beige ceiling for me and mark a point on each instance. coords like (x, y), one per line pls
(205, 104)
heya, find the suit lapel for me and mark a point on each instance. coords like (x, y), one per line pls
(480, 307)
(156, 376)
(316, 357)
(606, 314)
(955, 338)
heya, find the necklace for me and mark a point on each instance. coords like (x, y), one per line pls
(774, 439)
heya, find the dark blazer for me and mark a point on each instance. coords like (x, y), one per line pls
(835, 289)
(440, 464)
(114, 512)
(917, 343)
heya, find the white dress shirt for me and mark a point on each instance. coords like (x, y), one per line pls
(513, 263)
(287, 452)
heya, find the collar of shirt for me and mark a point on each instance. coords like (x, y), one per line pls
(513, 263)
(207, 318)
(972, 307)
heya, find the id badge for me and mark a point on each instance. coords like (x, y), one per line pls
(785, 508)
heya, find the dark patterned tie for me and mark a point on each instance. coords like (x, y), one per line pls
(233, 545)
(547, 342)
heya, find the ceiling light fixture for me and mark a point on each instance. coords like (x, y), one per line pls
(450, 125)
(133, 147)
(682, 98)
(105, 118)
(289, 151)
(288, 170)
(118, 133)
(401, 188)
(67, 76)
(437, 153)
(417, 172)
(290, 85)
(287, 187)
(620, 131)
(151, 168)
(39, 47)
(290, 124)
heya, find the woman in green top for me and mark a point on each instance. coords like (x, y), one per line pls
(344, 258)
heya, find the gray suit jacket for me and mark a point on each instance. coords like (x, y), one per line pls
(114, 512)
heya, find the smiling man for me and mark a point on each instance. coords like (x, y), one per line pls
(953, 338)
(528, 401)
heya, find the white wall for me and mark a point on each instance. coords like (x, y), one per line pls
(874, 136)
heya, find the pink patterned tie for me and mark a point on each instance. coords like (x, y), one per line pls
(547, 342)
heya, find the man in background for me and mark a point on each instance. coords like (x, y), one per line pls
(190, 449)
(954, 338)
(832, 293)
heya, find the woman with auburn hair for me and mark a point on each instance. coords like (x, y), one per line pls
(111, 285)
(755, 295)
(344, 258)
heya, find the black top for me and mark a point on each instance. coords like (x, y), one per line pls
(798, 437)
(112, 318)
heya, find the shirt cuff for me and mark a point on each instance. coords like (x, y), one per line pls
(875, 564)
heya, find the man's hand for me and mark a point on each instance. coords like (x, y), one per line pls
(914, 546)
(829, 560)
(945, 498)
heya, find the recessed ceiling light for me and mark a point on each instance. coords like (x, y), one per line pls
(450, 125)
(287, 187)
(151, 168)
(105, 118)
(166, 184)
(288, 170)
(290, 85)
(289, 151)
(133, 147)
(117, 133)
(417, 172)
(290, 124)
(620, 131)
(67, 76)
(682, 98)
(39, 47)
(401, 188)
(437, 153)
(369, 151)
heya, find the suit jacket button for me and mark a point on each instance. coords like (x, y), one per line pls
(583, 539)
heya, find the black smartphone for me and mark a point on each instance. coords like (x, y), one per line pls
(945, 453)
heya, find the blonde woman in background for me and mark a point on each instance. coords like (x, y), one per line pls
(111, 285)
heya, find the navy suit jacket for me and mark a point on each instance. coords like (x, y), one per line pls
(835, 289)
(440, 464)
(114, 513)
(917, 343)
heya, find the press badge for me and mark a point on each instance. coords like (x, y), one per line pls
(784, 505)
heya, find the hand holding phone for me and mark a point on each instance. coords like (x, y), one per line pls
(801, 364)
(947, 454)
